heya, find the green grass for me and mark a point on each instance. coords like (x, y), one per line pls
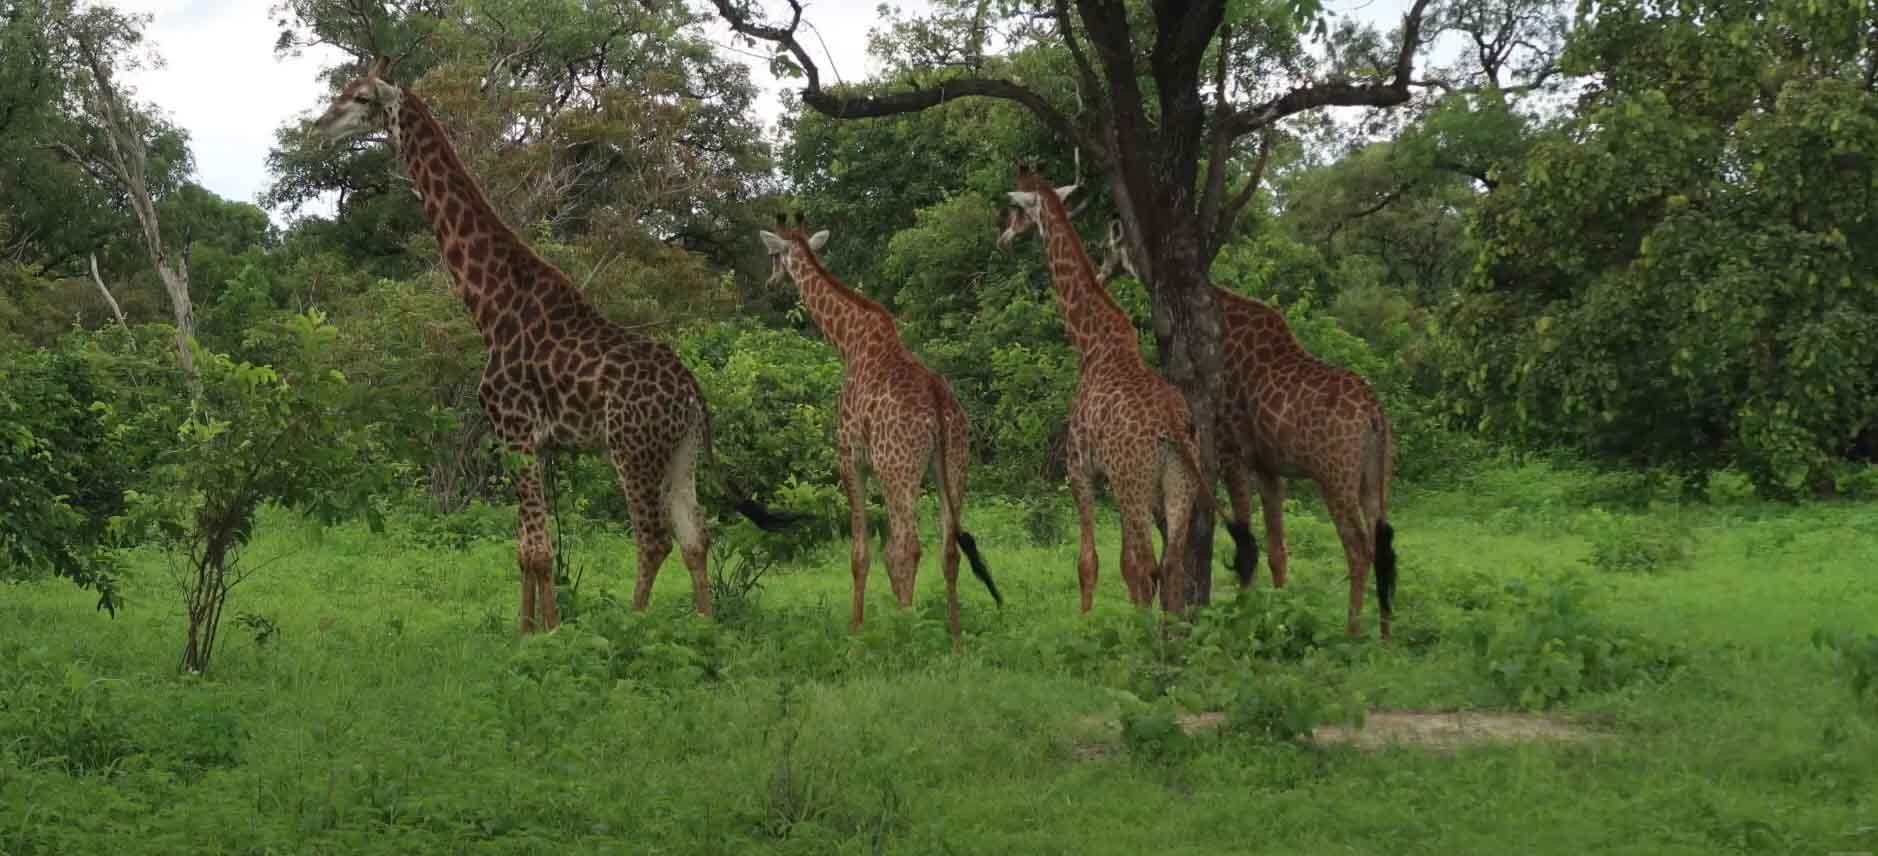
(392, 709)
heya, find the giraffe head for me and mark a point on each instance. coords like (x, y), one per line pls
(1026, 210)
(364, 105)
(789, 239)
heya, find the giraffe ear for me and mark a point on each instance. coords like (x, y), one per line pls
(1064, 191)
(1024, 199)
(817, 240)
(775, 244)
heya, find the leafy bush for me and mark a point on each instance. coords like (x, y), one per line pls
(1549, 646)
(1858, 658)
(63, 473)
(773, 396)
(1287, 706)
(1155, 735)
(1635, 543)
(258, 435)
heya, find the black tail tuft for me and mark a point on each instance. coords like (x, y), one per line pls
(979, 569)
(766, 519)
(1245, 559)
(1385, 567)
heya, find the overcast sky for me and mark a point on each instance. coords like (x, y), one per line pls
(221, 81)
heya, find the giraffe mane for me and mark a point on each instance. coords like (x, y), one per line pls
(796, 236)
(1046, 196)
(477, 196)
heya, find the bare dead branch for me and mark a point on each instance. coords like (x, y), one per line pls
(108, 299)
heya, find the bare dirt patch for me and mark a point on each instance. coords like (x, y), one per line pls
(1450, 730)
(1441, 731)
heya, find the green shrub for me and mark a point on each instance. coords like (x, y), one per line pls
(1858, 659)
(1154, 735)
(1550, 645)
(1286, 706)
(1627, 543)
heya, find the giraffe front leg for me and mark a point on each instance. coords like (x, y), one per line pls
(1272, 503)
(536, 551)
(852, 483)
(1082, 487)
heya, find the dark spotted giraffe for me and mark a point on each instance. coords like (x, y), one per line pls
(559, 373)
(1288, 414)
(1127, 422)
(898, 418)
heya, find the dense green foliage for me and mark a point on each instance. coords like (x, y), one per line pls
(1683, 271)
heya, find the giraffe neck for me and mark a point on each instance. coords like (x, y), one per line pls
(858, 327)
(1098, 329)
(481, 252)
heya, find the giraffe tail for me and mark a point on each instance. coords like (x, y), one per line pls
(979, 568)
(1376, 472)
(743, 502)
(947, 491)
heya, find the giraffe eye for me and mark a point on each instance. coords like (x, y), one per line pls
(362, 99)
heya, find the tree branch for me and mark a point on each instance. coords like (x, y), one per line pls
(1387, 200)
(1242, 199)
(840, 106)
(1084, 71)
(1341, 93)
(1221, 145)
(108, 299)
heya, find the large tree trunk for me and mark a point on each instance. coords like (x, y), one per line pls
(1186, 330)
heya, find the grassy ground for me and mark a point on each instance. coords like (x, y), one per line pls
(375, 699)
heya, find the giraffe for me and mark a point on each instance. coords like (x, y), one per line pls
(1127, 423)
(559, 373)
(898, 418)
(1287, 414)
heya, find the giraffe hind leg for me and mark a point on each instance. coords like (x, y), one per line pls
(901, 491)
(1245, 559)
(1347, 513)
(651, 529)
(1179, 494)
(535, 548)
(1135, 497)
(687, 519)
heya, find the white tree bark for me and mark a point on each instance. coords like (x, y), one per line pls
(108, 299)
(125, 142)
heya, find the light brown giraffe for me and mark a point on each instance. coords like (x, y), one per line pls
(559, 373)
(1127, 423)
(898, 418)
(1287, 414)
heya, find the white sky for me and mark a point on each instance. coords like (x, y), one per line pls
(222, 83)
